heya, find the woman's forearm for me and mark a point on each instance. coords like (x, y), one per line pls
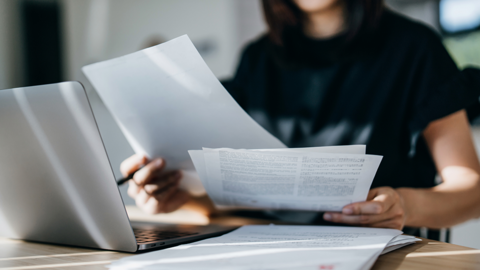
(442, 206)
(457, 199)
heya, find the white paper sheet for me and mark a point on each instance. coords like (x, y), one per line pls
(289, 179)
(167, 101)
(199, 161)
(273, 247)
(399, 242)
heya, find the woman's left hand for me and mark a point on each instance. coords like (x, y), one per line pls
(384, 208)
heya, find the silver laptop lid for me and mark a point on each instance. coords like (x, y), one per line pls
(56, 183)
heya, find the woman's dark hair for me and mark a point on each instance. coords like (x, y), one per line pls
(281, 14)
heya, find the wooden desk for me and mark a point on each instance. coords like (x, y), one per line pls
(19, 255)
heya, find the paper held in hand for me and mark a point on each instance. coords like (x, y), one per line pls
(167, 101)
(311, 179)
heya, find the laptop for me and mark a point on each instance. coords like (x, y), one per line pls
(56, 181)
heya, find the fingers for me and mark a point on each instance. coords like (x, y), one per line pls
(341, 218)
(161, 195)
(154, 190)
(162, 198)
(384, 209)
(392, 213)
(133, 189)
(168, 200)
(372, 193)
(157, 185)
(132, 164)
(392, 223)
(153, 204)
(381, 200)
(176, 200)
(148, 173)
(141, 198)
(366, 208)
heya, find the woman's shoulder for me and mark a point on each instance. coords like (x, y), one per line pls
(255, 52)
(402, 30)
(256, 47)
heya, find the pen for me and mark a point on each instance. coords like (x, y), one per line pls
(126, 179)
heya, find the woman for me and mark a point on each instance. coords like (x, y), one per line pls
(337, 72)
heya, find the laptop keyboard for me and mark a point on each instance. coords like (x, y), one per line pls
(145, 236)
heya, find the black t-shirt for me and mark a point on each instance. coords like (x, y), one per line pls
(380, 89)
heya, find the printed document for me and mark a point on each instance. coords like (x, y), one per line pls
(275, 247)
(167, 101)
(311, 179)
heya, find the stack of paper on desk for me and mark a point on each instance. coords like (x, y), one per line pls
(399, 242)
(314, 179)
(276, 247)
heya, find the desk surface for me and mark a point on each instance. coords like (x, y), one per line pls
(19, 255)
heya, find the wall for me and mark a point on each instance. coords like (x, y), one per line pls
(425, 11)
(249, 22)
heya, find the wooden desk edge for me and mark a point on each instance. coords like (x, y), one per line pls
(427, 254)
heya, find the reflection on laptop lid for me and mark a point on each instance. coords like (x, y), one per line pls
(57, 185)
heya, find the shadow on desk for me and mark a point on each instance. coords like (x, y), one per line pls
(395, 259)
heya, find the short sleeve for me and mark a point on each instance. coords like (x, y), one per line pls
(473, 77)
(440, 89)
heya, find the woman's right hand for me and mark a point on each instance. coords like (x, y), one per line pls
(154, 189)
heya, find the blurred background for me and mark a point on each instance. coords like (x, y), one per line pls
(47, 41)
